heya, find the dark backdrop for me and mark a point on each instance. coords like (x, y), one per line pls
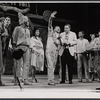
(84, 16)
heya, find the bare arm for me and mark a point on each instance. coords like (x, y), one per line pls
(15, 36)
(50, 28)
(50, 22)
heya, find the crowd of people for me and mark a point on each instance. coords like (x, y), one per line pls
(29, 52)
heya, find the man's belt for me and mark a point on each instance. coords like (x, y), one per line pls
(82, 53)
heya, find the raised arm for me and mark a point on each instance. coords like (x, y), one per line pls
(50, 28)
(50, 22)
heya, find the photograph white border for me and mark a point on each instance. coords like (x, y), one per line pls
(51, 93)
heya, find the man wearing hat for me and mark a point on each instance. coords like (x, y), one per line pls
(21, 41)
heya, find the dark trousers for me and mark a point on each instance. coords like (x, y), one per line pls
(66, 58)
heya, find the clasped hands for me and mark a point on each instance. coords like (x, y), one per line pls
(67, 44)
(14, 48)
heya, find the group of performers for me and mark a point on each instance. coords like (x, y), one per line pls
(65, 46)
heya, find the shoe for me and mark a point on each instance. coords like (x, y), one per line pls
(27, 83)
(98, 80)
(1, 83)
(87, 80)
(80, 80)
(70, 82)
(51, 84)
(62, 82)
(97, 88)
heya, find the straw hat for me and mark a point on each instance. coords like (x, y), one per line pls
(22, 18)
(17, 54)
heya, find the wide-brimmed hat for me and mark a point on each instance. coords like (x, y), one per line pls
(17, 54)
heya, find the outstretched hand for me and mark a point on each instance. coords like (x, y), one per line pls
(53, 14)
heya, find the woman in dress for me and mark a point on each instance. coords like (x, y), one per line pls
(37, 54)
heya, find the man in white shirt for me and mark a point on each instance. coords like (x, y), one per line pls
(52, 49)
(82, 44)
(68, 40)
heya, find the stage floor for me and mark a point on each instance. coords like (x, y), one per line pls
(42, 89)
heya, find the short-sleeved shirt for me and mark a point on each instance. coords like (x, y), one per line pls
(81, 45)
(21, 36)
